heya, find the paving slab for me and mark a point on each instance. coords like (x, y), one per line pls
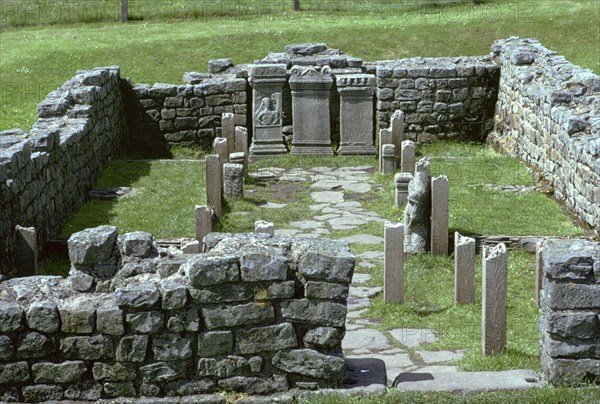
(365, 339)
(271, 205)
(356, 314)
(327, 184)
(414, 337)
(469, 381)
(355, 303)
(371, 255)
(352, 327)
(366, 264)
(327, 196)
(307, 224)
(348, 204)
(431, 357)
(346, 221)
(320, 206)
(357, 187)
(364, 291)
(359, 278)
(363, 239)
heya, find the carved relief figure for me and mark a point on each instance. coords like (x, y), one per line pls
(267, 113)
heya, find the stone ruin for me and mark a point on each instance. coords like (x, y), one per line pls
(524, 99)
(254, 314)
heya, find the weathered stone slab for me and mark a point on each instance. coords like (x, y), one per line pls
(388, 163)
(65, 372)
(214, 175)
(272, 338)
(310, 363)
(233, 177)
(138, 244)
(203, 222)
(323, 337)
(493, 302)
(439, 216)
(34, 345)
(223, 293)
(174, 294)
(407, 164)
(215, 343)
(397, 131)
(92, 246)
(284, 290)
(393, 263)
(310, 97)
(119, 372)
(255, 385)
(240, 315)
(464, 269)
(356, 114)
(145, 322)
(228, 130)
(325, 260)
(221, 149)
(16, 372)
(314, 312)
(325, 290)
(87, 348)
(261, 226)
(11, 317)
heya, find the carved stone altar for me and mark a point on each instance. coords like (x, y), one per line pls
(356, 113)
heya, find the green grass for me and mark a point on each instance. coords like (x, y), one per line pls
(161, 50)
(546, 395)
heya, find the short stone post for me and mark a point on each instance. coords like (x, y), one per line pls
(233, 183)
(464, 269)
(393, 289)
(220, 147)
(439, 216)
(214, 175)
(241, 140)
(539, 270)
(311, 88)
(385, 137)
(203, 222)
(261, 226)
(239, 158)
(228, 130)
(26, 251)
(389, 159)
(267, 81)
(397, 130)
(356, 114)
(402, 180)
(493, 331)
(407, 164)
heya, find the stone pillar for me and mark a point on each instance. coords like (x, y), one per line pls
(220, 147)
(241, 140)
(239, 158)
(493, 303)
(356, 114)
(233, 180)
(203, 222)
(261, 226)
(464, 269)
(418, 210)
(26, 251)
(393, 289)
(539, 270)
(439, 216)
(408, 157)
(402, 180)
(388, 165)
(385, 137)
(310, 109)
(397, 130)
(267, 81)
(228, 130)
(214, 175)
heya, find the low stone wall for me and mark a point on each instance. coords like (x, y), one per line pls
(254, 314)
(570, 304)
(440, 97)
(187, 115)
(45, 174)
(547, 115)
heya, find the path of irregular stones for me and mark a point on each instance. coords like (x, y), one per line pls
(332, 211)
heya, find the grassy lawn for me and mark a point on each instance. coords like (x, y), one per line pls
(157, 49)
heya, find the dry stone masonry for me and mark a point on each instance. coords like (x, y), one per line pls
(570, 304)
(254, 314)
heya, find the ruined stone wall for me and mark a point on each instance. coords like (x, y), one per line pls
(254, 314)
(45, 174)
(187, 115)
(570, 304)
(548, 115)
(440, 97)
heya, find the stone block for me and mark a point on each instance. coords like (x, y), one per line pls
(439, 215)
(214, 181)
(137, 296)
(7, 348)
(263, 263)
(493, 303)
(132, 349)
(271, 338)
(206, 270)
(570, 296)
(42, 392)
(118, 372)
(255, 385)
(203, 222)
(92, 246)
(113, 389)
(174, 294)
(87, 348)
(138, 244)
(11, 317)
(171, 347)
(393, 289)
(308, 362)
(314, 312)
(323, 337)
(77, 317)
(219, 65)
(215, 343)
(233, 177)
(225, 293)
(240, 315)
(26, 251)
(146, 322)
(163, 372)
(284, 290)
(464, 269)
(325, 260)
(109, 320)
(325, 290)
(232, 365)
(43, 316)
(17, 372)
(261, 226)
(34, 345)
(401, 181)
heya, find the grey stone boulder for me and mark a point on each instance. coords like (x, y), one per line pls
(327, 260)
(17, 372)
(240, 315)
(145, 322)
(522, 58)
(92, 246)
(215, 343)
(305, 49)
(219, 65)
(308, 362)
(139, 244)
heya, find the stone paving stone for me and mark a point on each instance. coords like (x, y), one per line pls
(348, 204)
(363, 239)
(358, 187)
(393, 351)
(371, 255)
(414, 337)
(355, 303)
(362, 291)
(352, 327)
(368, 321)
(359, 278)
(431, 357)
(320, 206)
(327, 196)
(366, 264)
(366, 338)
(346, 221)
(306, 224)
(328, 185)
(326, 217)
(271, 205)
(321, 231)
(356, 314)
